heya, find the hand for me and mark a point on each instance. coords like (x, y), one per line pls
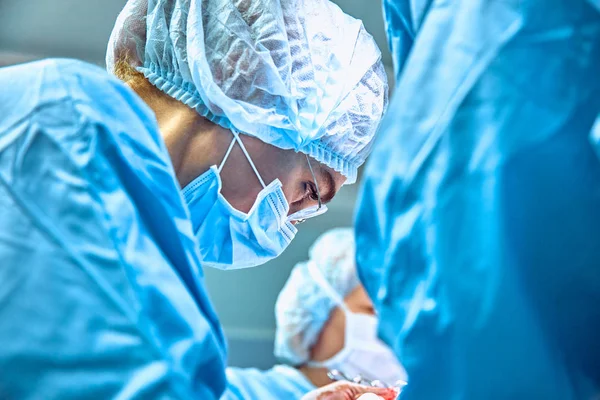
(347, 391)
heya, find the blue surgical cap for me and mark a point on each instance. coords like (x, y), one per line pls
(303, 307)
(297, 74)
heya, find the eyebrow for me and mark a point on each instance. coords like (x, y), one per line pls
(329, 187)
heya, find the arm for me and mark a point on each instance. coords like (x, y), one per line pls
(280, 382)
(92, 295)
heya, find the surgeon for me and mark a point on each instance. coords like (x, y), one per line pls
(259, 110)
(325, 321)
(478, 229)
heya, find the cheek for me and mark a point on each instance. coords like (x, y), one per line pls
(293, 194)
(240, 184)
(292, 185)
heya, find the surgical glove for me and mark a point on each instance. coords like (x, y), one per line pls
(370, 396)
(344, 391)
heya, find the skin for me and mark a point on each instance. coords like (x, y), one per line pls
(347, 391)
(331, 338)
(195, 144)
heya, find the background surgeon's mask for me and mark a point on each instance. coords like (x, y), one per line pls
(229, 238)
(363, 354)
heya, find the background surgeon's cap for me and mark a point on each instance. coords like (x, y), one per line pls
(297, 74)
(303, 307)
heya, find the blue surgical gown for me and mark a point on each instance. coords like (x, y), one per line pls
(101, 292)
(478, 226)
(282, 381)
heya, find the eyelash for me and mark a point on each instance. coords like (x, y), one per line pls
(311, 191)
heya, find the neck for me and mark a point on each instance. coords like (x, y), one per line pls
(193, 142)
(316, 375)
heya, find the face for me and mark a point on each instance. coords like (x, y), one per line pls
(195, 144)
(331, 339)
(241, 185)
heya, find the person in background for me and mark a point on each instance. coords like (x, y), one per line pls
(478, 226)
(325, 321)
(233, 121)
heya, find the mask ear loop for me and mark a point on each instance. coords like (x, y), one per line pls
(236, 138)
(220, 167)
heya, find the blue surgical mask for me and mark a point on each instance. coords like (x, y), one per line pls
(229, 238)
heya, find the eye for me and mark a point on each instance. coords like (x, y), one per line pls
(311, 191)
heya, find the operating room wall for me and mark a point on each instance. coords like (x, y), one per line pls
(244, 299)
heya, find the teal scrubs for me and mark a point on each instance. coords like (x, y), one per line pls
(478, 226)
(101, 291)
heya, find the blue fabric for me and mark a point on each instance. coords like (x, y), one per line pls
(297, 74)
(280, 382)
(230, 239)
(400, 30)
(478, 228)
(101, 292)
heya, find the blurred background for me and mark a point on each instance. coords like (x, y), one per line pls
(244, 299)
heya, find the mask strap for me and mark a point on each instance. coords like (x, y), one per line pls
(318, 277)
(226, 155)
(236, 137)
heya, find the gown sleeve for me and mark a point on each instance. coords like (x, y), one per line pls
(280, 382)
(101, 293)
(478, 226)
